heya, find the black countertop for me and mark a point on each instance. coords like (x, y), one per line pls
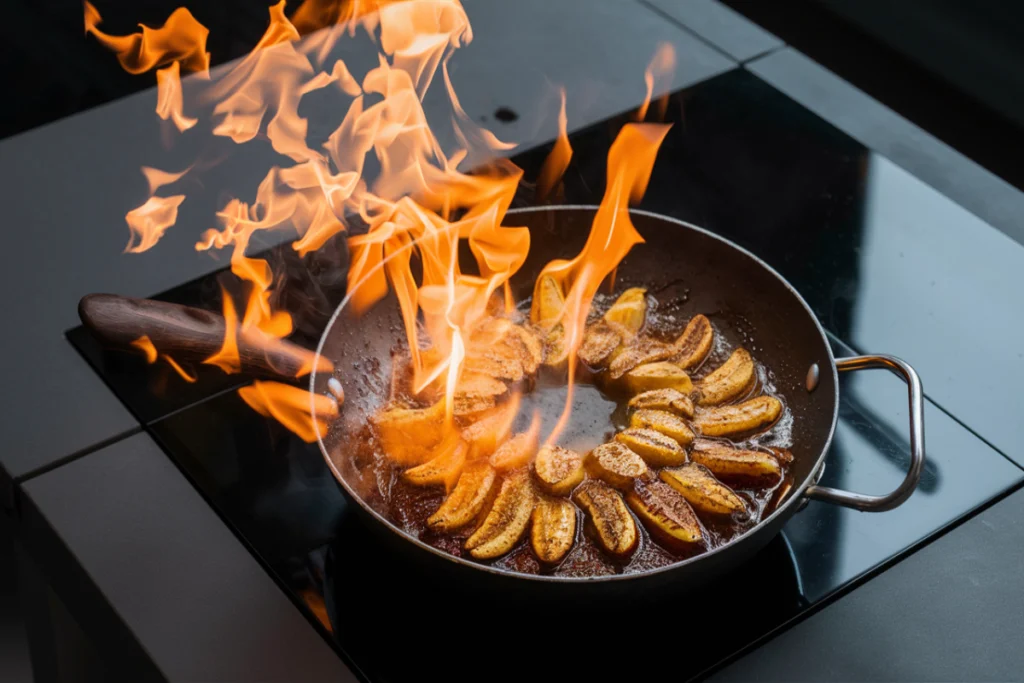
(104, 518)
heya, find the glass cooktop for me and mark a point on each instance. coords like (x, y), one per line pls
(742, 160)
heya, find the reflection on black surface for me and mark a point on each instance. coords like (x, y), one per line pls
(742, 160)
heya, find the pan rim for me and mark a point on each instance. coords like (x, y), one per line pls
(785, 509)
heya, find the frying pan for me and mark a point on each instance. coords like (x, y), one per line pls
(685, 267)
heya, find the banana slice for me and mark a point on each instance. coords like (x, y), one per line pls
(408, 436)
(490, 431)
(627, 314)
(665, 513)
(671, 400)
(701, 490)
(444, 468)
(507, 520)
(548, 302)
(658, 376)
(725, 461)
(661, 421)
(553, 529)
(655, 448)
(499, 361)
(516, 452)
(616, 464)
(694, 344)
(613, 526)
(533, 348)
(476, 393)
(556, 348)
(728, 381)
(741, 418)
(599, 342)
(467, 500)
(637, 353)
(558, 470)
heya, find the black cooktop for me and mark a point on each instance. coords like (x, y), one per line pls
(742, 160)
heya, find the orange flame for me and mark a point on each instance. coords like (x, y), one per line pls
(180, 39)
(660, 69)
(168, 98)
(291, 407)
(558, 159)
(612, 235)
(146, 346)
(149, 221)
(227, 358)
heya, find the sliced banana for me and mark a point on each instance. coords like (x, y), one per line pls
(616, 464)
(490, 431)
(532, 345)
(516, 452)
(638, 352)
(702, 490)
(671, 400)
(499, 361)
(655, 448)
(444, 468)
(599, 343)
(507, 519)
(741, 418)
(661, 375)
(553, 529)
(660, 421)
(408, 436)
(476, 393)
(467, 500)
(556, 348)
(627, 314)
(665, 513)
(726, 462)
(558, 470)
(613, 526)
(729, 381)
(548, 302)
(694, 344)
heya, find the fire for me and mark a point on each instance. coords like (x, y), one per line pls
(145, 344)
(382, 170)
(660, 69)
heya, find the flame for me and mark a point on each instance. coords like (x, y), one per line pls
(180, 370)
(660, 69)
(144, 344)
(558, 159)
(149, 221)
(291, 407)
(612, 235)
(382, 168)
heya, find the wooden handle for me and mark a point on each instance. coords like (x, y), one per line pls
(190, 334)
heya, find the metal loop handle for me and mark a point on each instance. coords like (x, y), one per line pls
(866, 503)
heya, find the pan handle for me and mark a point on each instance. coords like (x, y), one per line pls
(863, 502)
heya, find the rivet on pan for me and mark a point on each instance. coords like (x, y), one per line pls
(813, 375)
(334, 386)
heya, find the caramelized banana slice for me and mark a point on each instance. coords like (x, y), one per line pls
(558, 470)
(467, 500)
(408, 436)
(741, 418)
(499, 361)
(616, 464)
(699, 487)
(507, 519)
(556, 349)
(658, 376)
(661, 421)
(476, 393)
(671, 400)
(728, 381)
(548, 302)
(444, 468)
(725, 461)
(613, 526)
(694, 344)
(599, 342)
(554, 528)
(490, 431)
(627, 314)
(655, 448)
(639, 352)
(516, 452)
(665, 513)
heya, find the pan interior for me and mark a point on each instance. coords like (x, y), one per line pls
(688, 270)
